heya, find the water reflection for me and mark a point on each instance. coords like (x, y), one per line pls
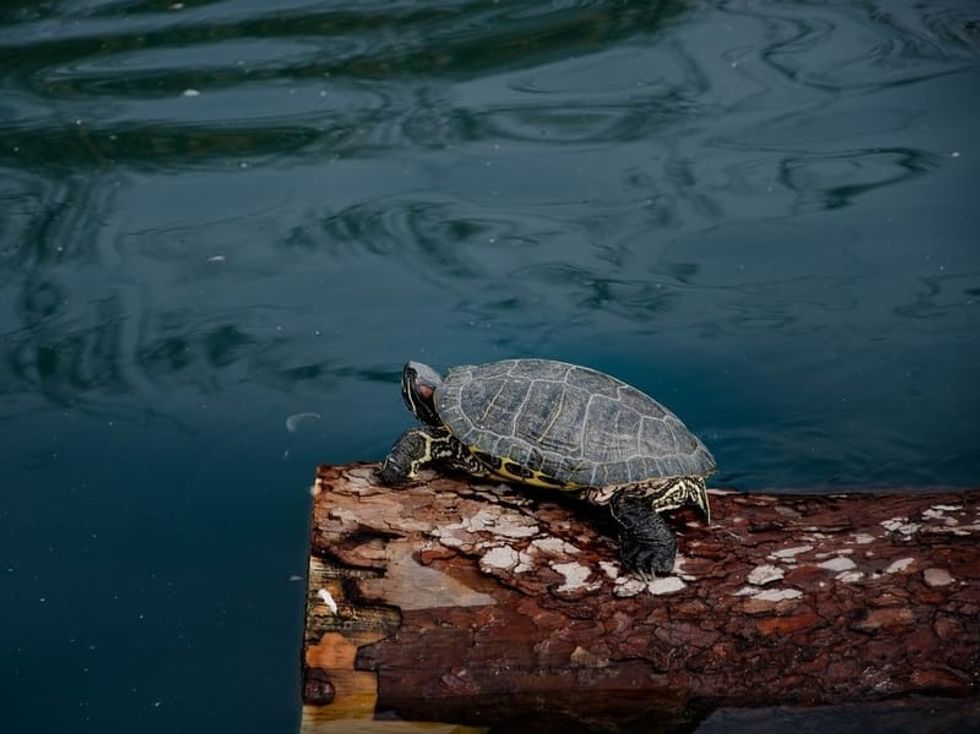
(946, 302)
(833, 181)
(871, 46)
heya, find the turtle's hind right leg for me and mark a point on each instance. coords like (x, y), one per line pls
(646, 544)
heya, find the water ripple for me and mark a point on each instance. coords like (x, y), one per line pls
(864, 47)
(227, 194)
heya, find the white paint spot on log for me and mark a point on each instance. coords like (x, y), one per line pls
(947, 508)
(850, 577)
(609, 568)
(678, 569)
(786, 553)
(937, 577)
(937, 512)
(863, 538)
(746, 591)
(555, 546)
(525, 563)
(765, 574)
(327, 599)
(838, 564)
(628, 586)
(448, 539)
(900, 565)
(777, 594)
(575, 576)
(509, 525)
(836, 553)
(501, 556)
(665, 585)
(900, 525)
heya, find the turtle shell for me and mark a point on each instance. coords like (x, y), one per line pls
(561, 424)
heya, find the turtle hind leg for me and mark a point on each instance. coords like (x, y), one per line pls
(646, 544)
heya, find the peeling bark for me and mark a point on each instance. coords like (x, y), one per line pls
(436, 600)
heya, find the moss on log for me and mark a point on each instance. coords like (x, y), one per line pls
(436, 600)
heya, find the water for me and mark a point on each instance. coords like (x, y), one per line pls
(215, 215)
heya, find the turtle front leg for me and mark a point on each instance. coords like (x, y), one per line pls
(646, 544)
(414, 449)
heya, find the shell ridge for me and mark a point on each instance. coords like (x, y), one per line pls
(520, 408)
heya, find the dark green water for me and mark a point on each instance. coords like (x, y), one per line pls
(218, 214)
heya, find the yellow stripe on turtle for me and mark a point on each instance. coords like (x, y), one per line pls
(506, 468)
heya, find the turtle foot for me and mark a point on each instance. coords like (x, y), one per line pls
(412, 450)
(391, 474)
(646, 557)
(646, 545)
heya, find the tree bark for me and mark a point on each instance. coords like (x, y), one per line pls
(436, 600)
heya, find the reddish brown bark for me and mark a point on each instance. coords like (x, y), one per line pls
(451, 593)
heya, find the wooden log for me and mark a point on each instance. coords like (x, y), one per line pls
(436, 600)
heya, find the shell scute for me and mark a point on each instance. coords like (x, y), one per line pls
(632, 398)
(553, 418)
(654, 437)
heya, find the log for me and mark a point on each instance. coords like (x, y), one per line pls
(437, 601)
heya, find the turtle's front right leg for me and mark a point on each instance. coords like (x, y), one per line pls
(413, 450)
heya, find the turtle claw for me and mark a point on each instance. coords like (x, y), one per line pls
(390, 474)
(646, 556)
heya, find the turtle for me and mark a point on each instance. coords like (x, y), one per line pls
(549, 424)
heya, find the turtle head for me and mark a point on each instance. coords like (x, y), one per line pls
(419, 385)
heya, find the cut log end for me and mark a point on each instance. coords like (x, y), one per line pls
(430, 599)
